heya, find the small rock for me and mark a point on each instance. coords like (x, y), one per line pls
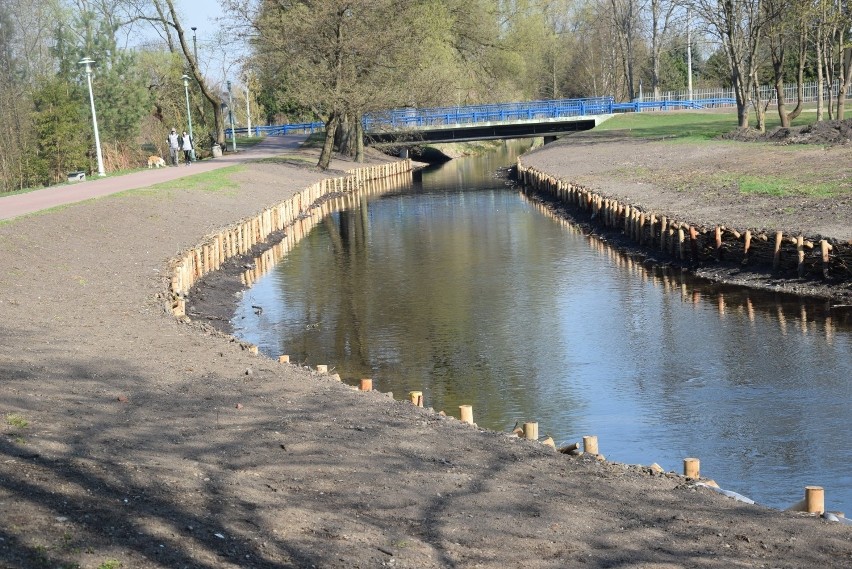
(249, 371)
(123, 399)
(239, 405)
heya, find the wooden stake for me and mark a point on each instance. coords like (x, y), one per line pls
(691, 467)
(590, 444)
(531, 431)
(800, 253)
(466, 413)
(416, 398)
(814, 499)
(366, 384)
(284, 359)
(776, 256)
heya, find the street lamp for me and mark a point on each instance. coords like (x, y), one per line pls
(194, 45)
(231, 113)
(88, 63)
(188, 114)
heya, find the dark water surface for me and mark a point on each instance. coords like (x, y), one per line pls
(468, 291)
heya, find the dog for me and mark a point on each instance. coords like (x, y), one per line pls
(156, 161)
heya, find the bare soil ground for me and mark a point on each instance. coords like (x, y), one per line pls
(130, 439)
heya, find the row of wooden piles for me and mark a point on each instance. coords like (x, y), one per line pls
(788, 254)
(242, 236)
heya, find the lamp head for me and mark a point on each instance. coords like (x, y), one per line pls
(185, 80)
(88, 61)
(229, 86)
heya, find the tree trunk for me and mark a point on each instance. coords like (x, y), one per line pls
(196, 72)
(359, 140)
(328, 145)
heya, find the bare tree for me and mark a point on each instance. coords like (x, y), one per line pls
(661, 17)
(786, 28)
(624, 14)
(738, 25)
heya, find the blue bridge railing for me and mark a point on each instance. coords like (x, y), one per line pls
(413, 119)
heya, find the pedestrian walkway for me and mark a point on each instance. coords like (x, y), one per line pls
(31, 202)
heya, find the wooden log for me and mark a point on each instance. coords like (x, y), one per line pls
(531, 431)
(814, 499)
(693, 243)
(825, 247)
(718, 236)
(322, 368)
(800, 253)
(590, 444)
(746, 245)
(366, 384)
(691, 468)
(416, 398)
(776, 256)
(568, 449)
(549, 442)
(681, 237)
(284, 359)
(664, 228)
(466, 413)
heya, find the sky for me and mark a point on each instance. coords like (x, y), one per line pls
(217, 62)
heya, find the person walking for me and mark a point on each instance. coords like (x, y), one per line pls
(174, 146)
(186, 146)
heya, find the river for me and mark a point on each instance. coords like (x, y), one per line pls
(462, 287)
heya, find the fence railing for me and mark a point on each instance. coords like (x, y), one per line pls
(412, 118)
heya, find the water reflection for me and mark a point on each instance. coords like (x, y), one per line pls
(484, 297)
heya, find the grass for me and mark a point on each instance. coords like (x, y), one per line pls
(289, 159)
(781, 186)
(685, 125)
(214, 181)
(16, 420)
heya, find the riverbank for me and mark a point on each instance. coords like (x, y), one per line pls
(132, 438)
(707, 185)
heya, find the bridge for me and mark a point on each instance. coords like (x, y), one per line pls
(547, 118)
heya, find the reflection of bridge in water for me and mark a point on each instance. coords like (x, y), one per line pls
(547, 118)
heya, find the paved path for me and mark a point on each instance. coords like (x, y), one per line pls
(30, 202)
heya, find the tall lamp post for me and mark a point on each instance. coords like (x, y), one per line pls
(189, 114)
(231, 114)
(88, 63)
(194, 45)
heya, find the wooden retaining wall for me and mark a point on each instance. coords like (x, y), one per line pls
(238, 238)
(789, 255)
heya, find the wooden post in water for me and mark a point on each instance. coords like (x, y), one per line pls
(776, 256)
(366, 384)
(531, 431)
(284, 359)
(825, 247)
(416, 398)
(691, 467)
(466, 413)
(590, 444)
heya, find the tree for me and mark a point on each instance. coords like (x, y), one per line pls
(738, 25)
(786, 28)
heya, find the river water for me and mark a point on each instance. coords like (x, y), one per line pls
(463, 288)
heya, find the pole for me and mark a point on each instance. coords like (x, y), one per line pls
(189, 115)
(688, 56)
(248, 110)
(231, 114)
(194, 45)
(88, 63)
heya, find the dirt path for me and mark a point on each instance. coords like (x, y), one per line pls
(128, 436)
